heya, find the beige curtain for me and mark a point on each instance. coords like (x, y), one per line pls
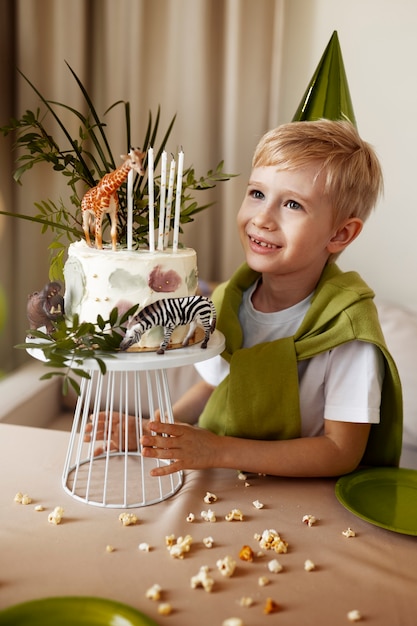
(215, 63)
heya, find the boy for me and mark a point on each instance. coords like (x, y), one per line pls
(298, 390)
(305, 386)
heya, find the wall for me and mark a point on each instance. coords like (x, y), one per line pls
(379, 48)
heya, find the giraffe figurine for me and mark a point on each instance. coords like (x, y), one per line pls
(103, 198)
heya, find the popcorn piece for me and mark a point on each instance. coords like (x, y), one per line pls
(144, 547)
(128, 519)
(226, 566)
(202, 579)
(208, 542)
(309, 566)
(275, 566)
(190, 517)
(242, 476)
(354, 616)
(39, 508)
(257, 504)
(246, 554)
(154, 592)
(233, 621)
(181, 547)
(246, 601)
(209, 498)
(169, 540)
(349, 533)
(234, 515)
(270, 540)
(208, 516)
(22, 498)
(310, 520)
(271, 606)
(56, 516)
(164, 608)
(247, 484)
(263, 581)
(109, 548)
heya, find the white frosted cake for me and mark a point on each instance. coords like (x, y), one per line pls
(96, 281)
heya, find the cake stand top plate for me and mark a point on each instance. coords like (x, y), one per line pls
(145, 361)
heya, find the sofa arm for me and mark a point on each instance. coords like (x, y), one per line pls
(28, 401)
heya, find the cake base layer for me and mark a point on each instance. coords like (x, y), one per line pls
(96, 281)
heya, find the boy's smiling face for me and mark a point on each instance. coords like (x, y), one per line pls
(286, 222)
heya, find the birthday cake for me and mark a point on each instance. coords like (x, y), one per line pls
(96, 281)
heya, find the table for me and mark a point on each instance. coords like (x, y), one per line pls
(374, 572)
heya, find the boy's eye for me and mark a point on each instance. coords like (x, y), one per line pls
(292, 204)
(258, 195)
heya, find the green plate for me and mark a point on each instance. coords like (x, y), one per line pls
(73, 611)
(384, 496)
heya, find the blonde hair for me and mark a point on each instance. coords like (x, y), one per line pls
(352, 172)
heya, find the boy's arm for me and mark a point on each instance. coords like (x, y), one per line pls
(191, 404)
(337, 452)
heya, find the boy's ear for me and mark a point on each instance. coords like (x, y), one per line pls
(344, 235)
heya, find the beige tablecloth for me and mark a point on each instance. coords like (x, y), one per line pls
(374, 572)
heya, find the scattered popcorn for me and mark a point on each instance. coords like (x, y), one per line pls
(309, 566)
(154, 592)
(247, 484)
(349, 533)
(235, 514)
(208, 516)
(56, 516)
(22, 498)
(271, 606)
(310, 520)
(270, 540)
(242, 476)
(190, 517)
(128, 519)
(354, 616)
(169, 540)
(209, 498)
(257, 504)
(202, 579)
(233, 621)
(208, 542)
(263, 581)
(164, 608)
(246, 553)
(226, 566)
(246, 601)
(275, 566)
(144, 547)
(178, 549)
(39, 508)
(109, 548)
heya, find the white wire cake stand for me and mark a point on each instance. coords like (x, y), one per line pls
(104, 465)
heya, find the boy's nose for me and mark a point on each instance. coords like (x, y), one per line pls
(264, 220)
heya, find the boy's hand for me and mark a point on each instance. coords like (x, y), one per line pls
(188, 446)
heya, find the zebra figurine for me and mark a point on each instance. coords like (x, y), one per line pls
(170, 313)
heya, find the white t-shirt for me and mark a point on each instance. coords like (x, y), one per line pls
(343, 384)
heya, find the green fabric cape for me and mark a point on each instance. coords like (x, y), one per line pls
(259, 399)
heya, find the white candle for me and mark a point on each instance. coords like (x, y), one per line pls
(169, 202)
(162, 201)
(178, 200)
(151, 207)
(130, 209)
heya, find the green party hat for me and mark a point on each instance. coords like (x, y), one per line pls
(327, 95)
